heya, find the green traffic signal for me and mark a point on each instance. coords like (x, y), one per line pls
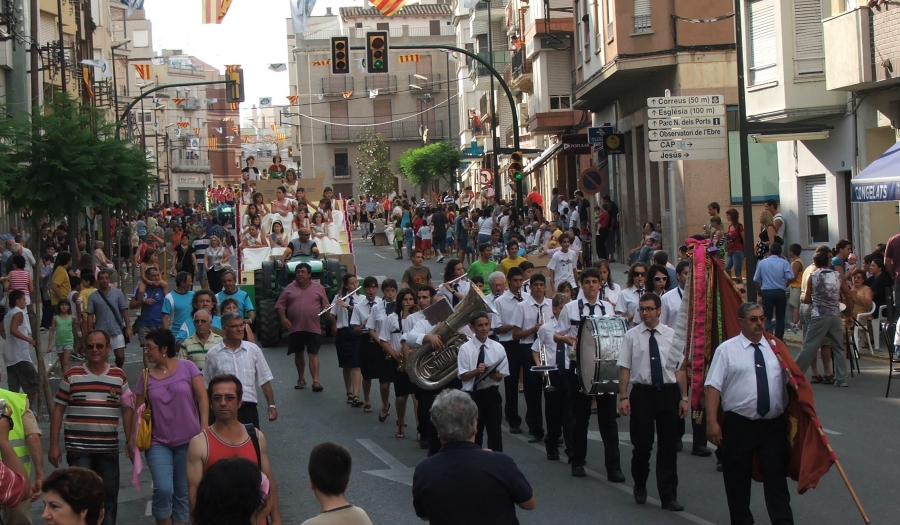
(378, 63)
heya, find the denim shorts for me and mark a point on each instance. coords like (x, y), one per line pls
(60, 349)
(201, 272)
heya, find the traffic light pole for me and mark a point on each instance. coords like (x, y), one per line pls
(496, 75)
(144, 94)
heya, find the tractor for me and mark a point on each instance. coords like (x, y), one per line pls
(270, 280)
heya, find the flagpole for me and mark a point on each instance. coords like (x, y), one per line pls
(821, 431)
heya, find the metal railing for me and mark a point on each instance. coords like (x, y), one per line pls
(190, 163)
(520, 64)
(432, 84)
(642, 23)
(339, 170)
(335, 85)
(410, 130)
(383, 83)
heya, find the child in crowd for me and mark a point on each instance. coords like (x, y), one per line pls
(398, 239)
(408, 239)
(62, 336)
(329, 476)
(424, 233)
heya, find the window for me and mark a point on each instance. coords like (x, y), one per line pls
(610, 17)
(817, 209)
(810, 52)
(434, 27)
(141, 38)
(145, 117)
(642, 16)
(598, 25)
(359, 25)
(341, 163)
(763, 165)
(562, 103)
(383, 26)
(761, 25)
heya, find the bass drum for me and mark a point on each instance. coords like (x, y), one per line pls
(599, 341)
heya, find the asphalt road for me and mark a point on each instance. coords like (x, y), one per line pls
(860, 423)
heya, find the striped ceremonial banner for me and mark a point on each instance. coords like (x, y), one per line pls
(293, 99)
(346, 93)
(408, 58)
(183, 125)
(321, 62)
(179, 101)
(210, 13)
(388, 7)
(143, 71)
(212, 142)
(197, 131)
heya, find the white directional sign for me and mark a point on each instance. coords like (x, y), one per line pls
(694, 100)
(687, 133)
(690, 144)
(687, 111)
(700, 154)
(686, 122)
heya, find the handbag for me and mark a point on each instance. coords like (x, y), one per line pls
(145, 427)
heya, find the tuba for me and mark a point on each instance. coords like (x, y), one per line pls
(432, 369)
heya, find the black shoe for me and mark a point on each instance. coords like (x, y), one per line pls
(423, 443)
(615, 476)
(515, 429)
(719, 467)
(703, 452)
(568, 457)
(535, 439)
(640, 496)
(672, 505)
(559, 441)
(578, 472)
(553, 455)
(679, 446)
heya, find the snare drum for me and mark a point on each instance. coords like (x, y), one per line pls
(599, 341)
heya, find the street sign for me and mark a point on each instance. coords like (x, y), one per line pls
(700, 154)
(693, 100)
(487, 177)
(592, 181)
(690, 144)
(686, 111)
(575, 144)
(686, 122)
(687, 133)
(595, 136)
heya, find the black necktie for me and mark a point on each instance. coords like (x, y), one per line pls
(640, 292)
(680, 294)
(371, 304)
(540, 308)
(656, 374)
(560, 357)
(592, 306)
(480, 355)
(762, 381)
(455, 298)
(351, 303)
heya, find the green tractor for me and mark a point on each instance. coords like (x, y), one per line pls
(270, 280)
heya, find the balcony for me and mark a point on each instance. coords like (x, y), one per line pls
(552, 122)
(383, 83)
(195, 165)
(433, 84)
(481, 76)
(480, 13)
(339, 170)
(336, 85)
(395, 131)
(849, 61)
(521, 71)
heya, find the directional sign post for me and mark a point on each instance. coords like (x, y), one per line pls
(689, 127)
(689, 144)
(700, 154)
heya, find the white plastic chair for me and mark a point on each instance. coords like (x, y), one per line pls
(876, 328)
(861, 326)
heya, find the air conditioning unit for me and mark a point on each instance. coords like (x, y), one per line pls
(522, 108)
(192, 104)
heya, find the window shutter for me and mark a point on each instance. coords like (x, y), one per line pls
(48, 29)
(816, 196)
(762, 42)
(810, 58)
(641, 15)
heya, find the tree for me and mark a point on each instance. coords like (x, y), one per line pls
(375, 174)
(434, 162)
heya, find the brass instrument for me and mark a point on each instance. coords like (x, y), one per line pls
(543, 368)
(432, 368)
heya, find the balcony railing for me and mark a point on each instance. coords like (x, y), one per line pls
(390, 131)
(501, 58)
(335, 85)
(197, 164)
(520, 64)
(432, 84)
(383, 83)
(642, 24)
(342, 171)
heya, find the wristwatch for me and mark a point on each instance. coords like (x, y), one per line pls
(271, 406)
(684, 399)
(11, 424)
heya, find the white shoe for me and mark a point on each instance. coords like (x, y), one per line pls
(440, 259)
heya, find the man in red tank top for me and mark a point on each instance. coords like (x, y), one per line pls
(227, 438)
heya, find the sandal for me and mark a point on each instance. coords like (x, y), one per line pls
(317, 387)
(355, 402)
(400, 434)
(816, 379)
(385, 412)
(349, 397)
(828, 380)
(367, 408)
(300, 385)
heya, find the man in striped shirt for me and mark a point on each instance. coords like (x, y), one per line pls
(94, 394)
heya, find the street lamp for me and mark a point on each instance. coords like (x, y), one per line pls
(116, 45)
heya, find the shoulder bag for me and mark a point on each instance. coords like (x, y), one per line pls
(116, 315)
(145, 427)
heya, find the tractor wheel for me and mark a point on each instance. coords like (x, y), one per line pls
(269, 325)
(263, 280)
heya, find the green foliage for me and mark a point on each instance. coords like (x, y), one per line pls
(66, 157)
(373, 166)
(437, 161)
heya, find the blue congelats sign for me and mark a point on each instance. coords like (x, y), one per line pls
(876, 192)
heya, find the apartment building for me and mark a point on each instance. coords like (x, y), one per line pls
(412, 104)
(266, 133)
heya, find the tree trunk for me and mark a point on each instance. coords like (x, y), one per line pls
(45, 398)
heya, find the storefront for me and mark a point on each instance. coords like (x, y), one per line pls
(192, 188)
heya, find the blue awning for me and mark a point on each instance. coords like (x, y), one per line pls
(880, 181)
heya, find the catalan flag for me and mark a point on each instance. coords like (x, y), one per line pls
(179, 101)
(86, 78)
(275, 127)
(143, 71)
(388, 7)
(197, 131)
(212, 142)
(346, 94)
(408, 58)
(233, 106)
(183, 125)
(280, 137)
(321, 62)
(293, 99)
(214, 11)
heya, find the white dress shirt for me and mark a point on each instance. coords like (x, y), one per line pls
(671, 304)
(733, 373)
(527, 314)
(363, 310)
(464, 285)
(247, 363)
(563, 266)
(468, 361)
(570, 317)
(377, 316)
(635, 354)
(545, 335)
(391, 331)
(628, 304)
(506, 304)
(342, 314)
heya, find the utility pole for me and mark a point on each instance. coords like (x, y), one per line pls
(494, 142)
(35, 55)
(746, 191)
(62, 48)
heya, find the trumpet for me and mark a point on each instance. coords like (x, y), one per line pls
(335, 302)
(544, 368)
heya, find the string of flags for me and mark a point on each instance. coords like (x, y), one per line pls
(321, 62)
(408, 58)
(278, 68)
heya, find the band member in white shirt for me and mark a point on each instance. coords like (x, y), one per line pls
(506, 307)
(371, 357)
(474, 358)
(558, 400)
(389, 336)
(570, 318)
(457, 291)
(346, 340)
(529, 315)
(635, 286)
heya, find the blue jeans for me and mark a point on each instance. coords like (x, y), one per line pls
(106, 465)
(168, 467)
(735, 260)
(775, 300)
(201, 272)
(645, 254)
(482, 239)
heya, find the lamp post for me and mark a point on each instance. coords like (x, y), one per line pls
(116, 45)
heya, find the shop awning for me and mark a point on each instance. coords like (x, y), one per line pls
(546, 155)
(880, 181)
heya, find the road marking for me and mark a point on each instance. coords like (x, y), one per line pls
(148, 511)
(396, 470)
(382, 256)
(832, 432)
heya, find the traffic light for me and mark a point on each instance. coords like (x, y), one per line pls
(516, 170)
(340, 60)
(377, 51)
(234, 91)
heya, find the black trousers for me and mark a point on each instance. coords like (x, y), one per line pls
(655, 408)
(699, 432)
(426, 428)
(600, 241)
(606, 422)
(490, 416)
(558, 411)
(767, 438)
(511, 384)
(532, 382)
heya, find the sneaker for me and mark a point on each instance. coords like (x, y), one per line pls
(841, 384)
(792, 327)
(440, 259)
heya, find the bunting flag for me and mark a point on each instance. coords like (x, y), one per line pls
(453, 55)
(293, 99)
(197, 131)
(223, 10)
(265, 102)
(102, 65)
(179, 101)
(86, 78)
(143, 71)
(234, 106)
(361, 64)
(319, 95)
(214, 11)
(373, 93)
(183, 125)
(234, 129)
(301, 10)
(246, 138)
(134, 5)
(408, 58)
(212, 142)
(229, 138)
(274, 127)
(227, 119)
(232, 68)
(218, 130)
(278, 68)
(280, 137)
(321, 62)
(347, 94)
(388, 7)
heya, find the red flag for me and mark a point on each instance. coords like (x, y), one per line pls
(811, 454)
